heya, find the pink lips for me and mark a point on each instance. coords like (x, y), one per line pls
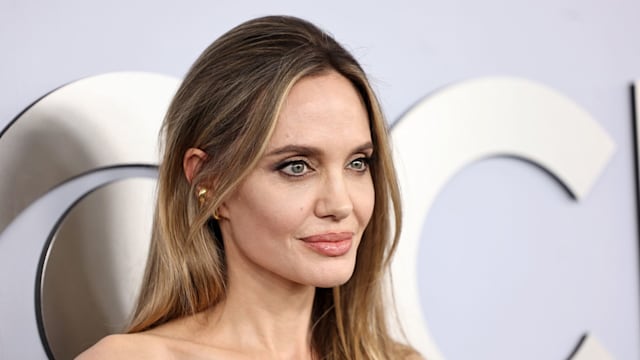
(329, 244)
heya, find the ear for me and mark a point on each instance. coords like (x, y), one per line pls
(192, 161)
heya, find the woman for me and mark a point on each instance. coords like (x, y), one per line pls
(272, 233)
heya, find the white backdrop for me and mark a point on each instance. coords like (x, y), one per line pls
(509, 266)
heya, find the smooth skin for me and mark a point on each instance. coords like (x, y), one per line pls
(313, 183)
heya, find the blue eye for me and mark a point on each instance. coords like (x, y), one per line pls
(359, 164)
(295, 168)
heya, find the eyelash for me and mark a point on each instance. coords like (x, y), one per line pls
(366, 161)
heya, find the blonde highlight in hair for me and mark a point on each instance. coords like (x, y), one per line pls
(227, 106)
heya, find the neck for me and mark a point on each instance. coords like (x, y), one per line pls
(264, 314)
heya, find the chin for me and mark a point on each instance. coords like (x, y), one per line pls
(333, 278)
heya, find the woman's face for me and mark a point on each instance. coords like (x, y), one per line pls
(300, 214)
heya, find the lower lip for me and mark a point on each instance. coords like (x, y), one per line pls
(330, 248)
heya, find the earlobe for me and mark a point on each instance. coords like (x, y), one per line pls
(192, 162)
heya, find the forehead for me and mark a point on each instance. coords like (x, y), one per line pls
(322, 109)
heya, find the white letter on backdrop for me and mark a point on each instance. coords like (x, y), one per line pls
(474, 120)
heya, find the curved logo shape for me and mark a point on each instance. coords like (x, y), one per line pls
(84, 131)
(470, 121)
(24, 247)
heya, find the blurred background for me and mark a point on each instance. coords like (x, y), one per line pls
(510, 266)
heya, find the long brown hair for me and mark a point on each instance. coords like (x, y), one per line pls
(227, 106)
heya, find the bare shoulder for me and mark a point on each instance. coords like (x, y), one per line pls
(125, 346)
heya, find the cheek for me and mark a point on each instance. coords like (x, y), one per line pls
(274, 211)
(364, 201)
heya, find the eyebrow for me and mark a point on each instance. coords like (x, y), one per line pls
(313, 151)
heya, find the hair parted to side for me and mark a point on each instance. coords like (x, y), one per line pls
(227, 106)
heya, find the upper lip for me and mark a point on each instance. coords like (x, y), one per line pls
(329, 237)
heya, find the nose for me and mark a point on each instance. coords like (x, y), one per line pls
(334, 200)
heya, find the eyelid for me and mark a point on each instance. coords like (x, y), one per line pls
(365, 156)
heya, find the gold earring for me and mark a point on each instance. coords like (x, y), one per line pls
(202, 196)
